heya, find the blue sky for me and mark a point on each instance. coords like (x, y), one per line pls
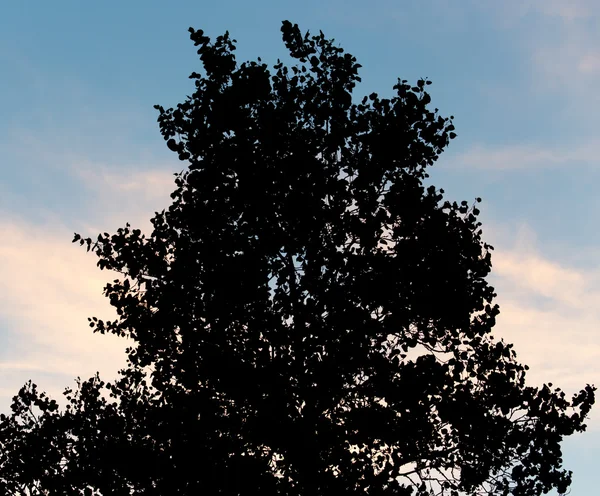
(80, 151)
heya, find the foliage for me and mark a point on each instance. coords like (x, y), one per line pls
(307, 317)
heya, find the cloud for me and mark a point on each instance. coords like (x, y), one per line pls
(510, 12)
(152, 183)
(48, 289)
(565, 58)
(535, 275)
(589, 63)
(559, 348)
(549, 310)
(568, 63)
(49, 286)
(125, 194)
(566, 11)
(526, 156)
(558, 45)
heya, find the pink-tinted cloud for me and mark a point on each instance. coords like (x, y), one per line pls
(549, 310)
(49, 286)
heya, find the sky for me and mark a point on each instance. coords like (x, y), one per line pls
(80, 152)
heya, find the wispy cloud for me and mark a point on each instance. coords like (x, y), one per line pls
(509, 12)
(559, 50)
(126, 194)
(151, 183)
(511, 157)
(49, 287)
(568, 63)
(47, 290)
(566, 11)
(565, 58)
(549, 309)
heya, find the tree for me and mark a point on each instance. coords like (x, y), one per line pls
(307, 317)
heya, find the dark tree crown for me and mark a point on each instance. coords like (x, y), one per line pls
(307, 318)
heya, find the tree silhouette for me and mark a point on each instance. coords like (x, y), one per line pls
(307, 318)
